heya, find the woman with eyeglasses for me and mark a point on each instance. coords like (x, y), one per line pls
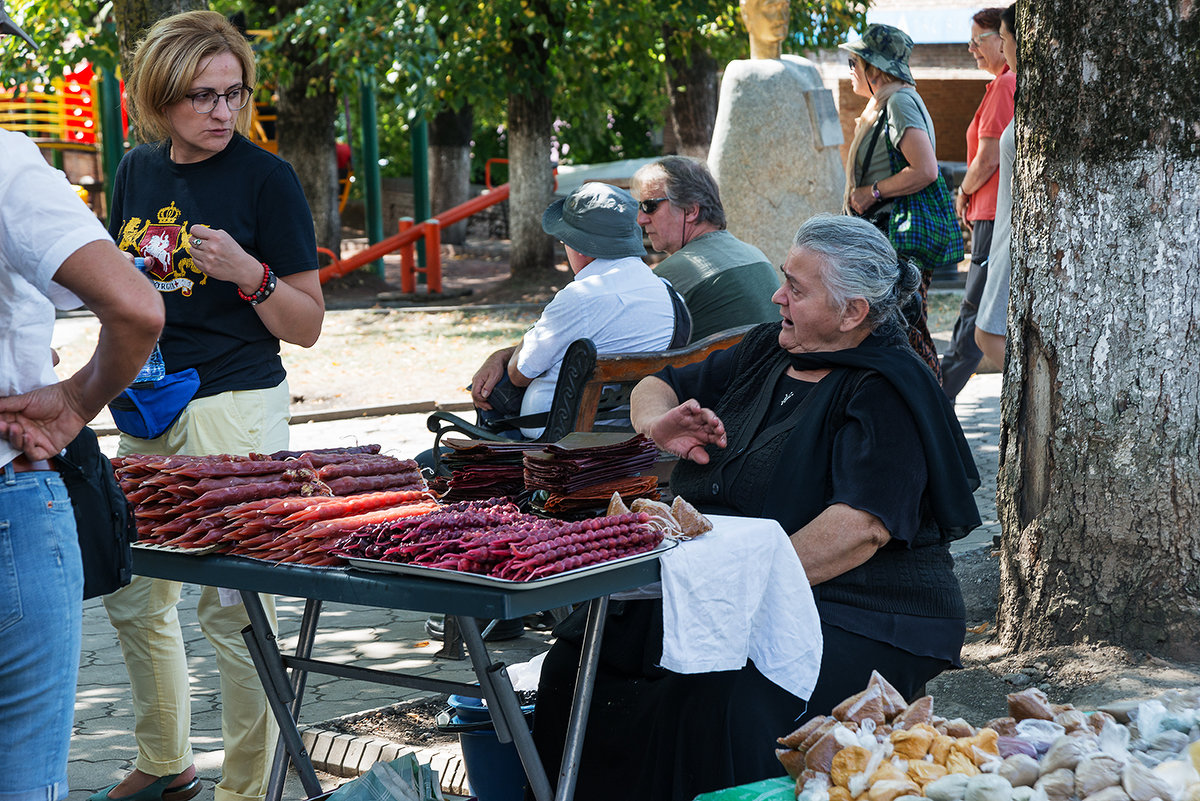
(976, 201)
(879, 72)
(227, 239)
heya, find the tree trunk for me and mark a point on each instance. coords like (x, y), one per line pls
(307, 136)
(307, 140)
(450, 166)
(692, 88)
(1099, 490)
(134, 17)
(531, 176)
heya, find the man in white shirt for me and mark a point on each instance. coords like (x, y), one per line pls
(615, 300)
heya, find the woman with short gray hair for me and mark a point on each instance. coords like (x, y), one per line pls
(828, 423)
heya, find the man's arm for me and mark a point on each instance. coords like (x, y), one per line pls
(518, 378)
(488, 375)
(43, 422)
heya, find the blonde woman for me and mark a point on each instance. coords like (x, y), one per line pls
(227, 240)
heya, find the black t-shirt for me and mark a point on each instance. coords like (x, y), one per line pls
(878, 466)
(255, 197)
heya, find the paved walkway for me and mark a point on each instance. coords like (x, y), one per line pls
(103, 746)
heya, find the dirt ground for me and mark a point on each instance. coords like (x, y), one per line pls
(1088, 676)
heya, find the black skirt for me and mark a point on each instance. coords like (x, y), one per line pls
(653, 734)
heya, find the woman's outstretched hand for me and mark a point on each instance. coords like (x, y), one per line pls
(686, 430)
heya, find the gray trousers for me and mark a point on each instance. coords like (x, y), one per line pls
(963, 355)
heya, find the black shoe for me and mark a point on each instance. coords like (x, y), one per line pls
(435, 627)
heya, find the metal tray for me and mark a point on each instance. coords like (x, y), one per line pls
(421, 571)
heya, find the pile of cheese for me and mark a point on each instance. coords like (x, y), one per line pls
(876, 747)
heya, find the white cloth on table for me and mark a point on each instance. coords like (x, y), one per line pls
(740, 592)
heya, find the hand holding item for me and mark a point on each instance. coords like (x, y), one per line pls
(861, 199)
(687, 429)
(216, 254)
(487, 376)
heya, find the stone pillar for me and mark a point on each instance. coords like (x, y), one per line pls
(774, 151)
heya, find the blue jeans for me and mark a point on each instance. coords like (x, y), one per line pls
(41, 611)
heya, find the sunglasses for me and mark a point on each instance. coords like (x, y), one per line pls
(650, 205)
(976, 41)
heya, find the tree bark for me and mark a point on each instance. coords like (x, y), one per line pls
(1099, 489)
(307, 139)
(307, 136)
(692, 89)
(450, 166)
(134, 17)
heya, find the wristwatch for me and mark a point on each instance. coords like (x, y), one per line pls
(875, 191)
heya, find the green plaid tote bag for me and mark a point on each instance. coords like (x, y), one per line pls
(923, 225)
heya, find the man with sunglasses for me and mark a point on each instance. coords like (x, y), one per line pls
(725, 282)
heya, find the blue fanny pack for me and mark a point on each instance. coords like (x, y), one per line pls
(147, 410)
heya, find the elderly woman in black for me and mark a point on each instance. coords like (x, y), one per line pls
(829, 423)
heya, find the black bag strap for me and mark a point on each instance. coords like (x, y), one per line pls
(683, 318)
(880, 124)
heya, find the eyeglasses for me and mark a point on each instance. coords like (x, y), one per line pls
(974, 42)
(206, 102)
(650, 205)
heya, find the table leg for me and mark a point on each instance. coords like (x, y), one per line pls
(304, 645)
(585, 682)
(504, 708)
(264, 651)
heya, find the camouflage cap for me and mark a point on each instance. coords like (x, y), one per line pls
(884, 47)
(10, 27)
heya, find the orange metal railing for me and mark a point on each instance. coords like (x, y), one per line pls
(410, 232)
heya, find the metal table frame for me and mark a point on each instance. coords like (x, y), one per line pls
(465, 602)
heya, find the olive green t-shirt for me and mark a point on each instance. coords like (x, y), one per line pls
(725, 282)
(905, 110)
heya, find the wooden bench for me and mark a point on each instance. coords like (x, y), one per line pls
(591, 389)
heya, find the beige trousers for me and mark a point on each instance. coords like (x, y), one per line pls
(147, 622)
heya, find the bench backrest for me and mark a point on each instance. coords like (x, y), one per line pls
(590, 385)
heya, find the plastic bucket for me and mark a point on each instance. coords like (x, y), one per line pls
(494, 769)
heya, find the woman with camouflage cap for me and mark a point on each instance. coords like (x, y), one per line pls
(879, 71)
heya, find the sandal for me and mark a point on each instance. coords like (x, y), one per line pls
(155, 791)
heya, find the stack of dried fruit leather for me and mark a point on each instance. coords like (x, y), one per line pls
(582, 471)
(481, 469)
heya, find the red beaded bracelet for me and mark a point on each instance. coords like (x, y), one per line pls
(264, 289)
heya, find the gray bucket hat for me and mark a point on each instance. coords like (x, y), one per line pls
(884, 47)
(10, 27)
(598, 220)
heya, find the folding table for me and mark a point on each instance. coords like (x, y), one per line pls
(463, 601)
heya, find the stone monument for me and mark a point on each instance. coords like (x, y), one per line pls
(775, 144)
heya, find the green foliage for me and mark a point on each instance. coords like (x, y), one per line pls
(67, 33)
(817, 26)
(606, 61)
